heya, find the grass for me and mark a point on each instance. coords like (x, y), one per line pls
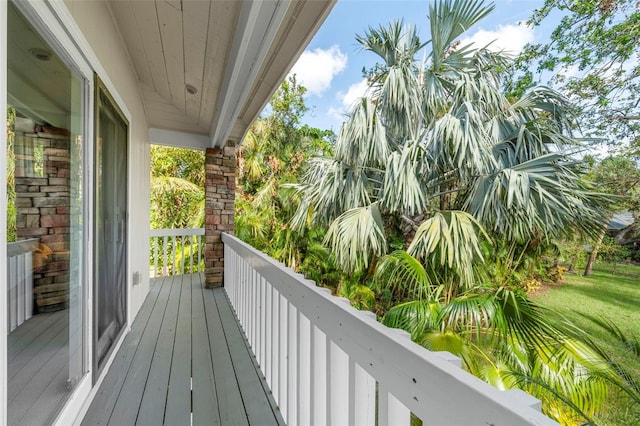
(612, 292)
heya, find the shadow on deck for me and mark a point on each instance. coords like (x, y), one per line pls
(185, 361)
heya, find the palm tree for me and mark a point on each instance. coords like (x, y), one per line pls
(437, 144)
(442, 140)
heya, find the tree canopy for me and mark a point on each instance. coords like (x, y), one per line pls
(441, 187)
(592, 57)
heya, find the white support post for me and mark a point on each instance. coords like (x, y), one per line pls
(155, 256)
(318, 376)
(165, 269)
(174, 249)
(268, 307)
(283, 366)
(275, 346)
(304, 370)
(199, 240)
(337, 385)
(362, 391)
(191, 253)
(292, 366)
(263, 322)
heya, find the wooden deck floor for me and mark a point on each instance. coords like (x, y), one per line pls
(185, 361)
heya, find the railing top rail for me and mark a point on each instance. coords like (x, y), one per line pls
(410, 372)
(176, 232)
(21, 247)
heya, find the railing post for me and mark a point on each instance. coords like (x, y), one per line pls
(165, 269)
(292, 365)
(304, 370)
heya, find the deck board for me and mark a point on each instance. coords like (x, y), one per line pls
(126, 408)
(107, 395)
(184, 337)
(231, 399)
(178, 408)
(205, 402)
(158, 380)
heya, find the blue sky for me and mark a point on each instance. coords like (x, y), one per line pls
(331, 66)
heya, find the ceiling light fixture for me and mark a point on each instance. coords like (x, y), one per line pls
(190, 89)
(40, 54)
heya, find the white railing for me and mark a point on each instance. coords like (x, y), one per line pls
(177, 251)
(328, 363)
(20, 282)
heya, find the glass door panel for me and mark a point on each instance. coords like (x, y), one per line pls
(45, 209)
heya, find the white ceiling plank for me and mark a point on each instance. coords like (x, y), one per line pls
(196, 27)
(167, 120)
(128, 27)
(234, 62)
(223, 23)
(146, 19)
(172, 36)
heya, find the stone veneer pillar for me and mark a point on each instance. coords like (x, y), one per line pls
(220, 192)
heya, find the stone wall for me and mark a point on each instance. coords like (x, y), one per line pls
(220, 169)
(42, 204)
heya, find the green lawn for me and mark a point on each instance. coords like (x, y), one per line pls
(615, 296)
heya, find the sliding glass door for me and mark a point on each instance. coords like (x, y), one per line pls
(46, 225)
(110, 263)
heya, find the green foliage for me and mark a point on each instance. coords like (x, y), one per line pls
(270, 160)
(618, 175)
(177, 188)
(177, 196)
(611, 251)
(11, 186)
(501, 336)
(485, 183)
(591, 56)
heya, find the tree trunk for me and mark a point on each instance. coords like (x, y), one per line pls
(572, 265)
(594, 252)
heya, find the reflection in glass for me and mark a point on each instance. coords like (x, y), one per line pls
(45, 209)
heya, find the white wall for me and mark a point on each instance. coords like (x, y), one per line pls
(96, 24)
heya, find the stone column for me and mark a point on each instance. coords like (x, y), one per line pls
(220, 169)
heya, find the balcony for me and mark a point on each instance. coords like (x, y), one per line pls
(272, 348)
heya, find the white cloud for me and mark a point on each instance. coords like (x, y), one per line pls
(353, 93)
(316, 68)
(348, 99)
(510, 38)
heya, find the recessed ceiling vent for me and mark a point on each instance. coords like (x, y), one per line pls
(41, 54)
(190, 89)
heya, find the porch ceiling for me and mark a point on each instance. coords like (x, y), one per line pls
(233, 53)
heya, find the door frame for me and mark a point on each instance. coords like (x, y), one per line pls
(96, 369)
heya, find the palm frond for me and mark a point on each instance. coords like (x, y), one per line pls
(450, 239)
(404, 274)
(356, 236)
